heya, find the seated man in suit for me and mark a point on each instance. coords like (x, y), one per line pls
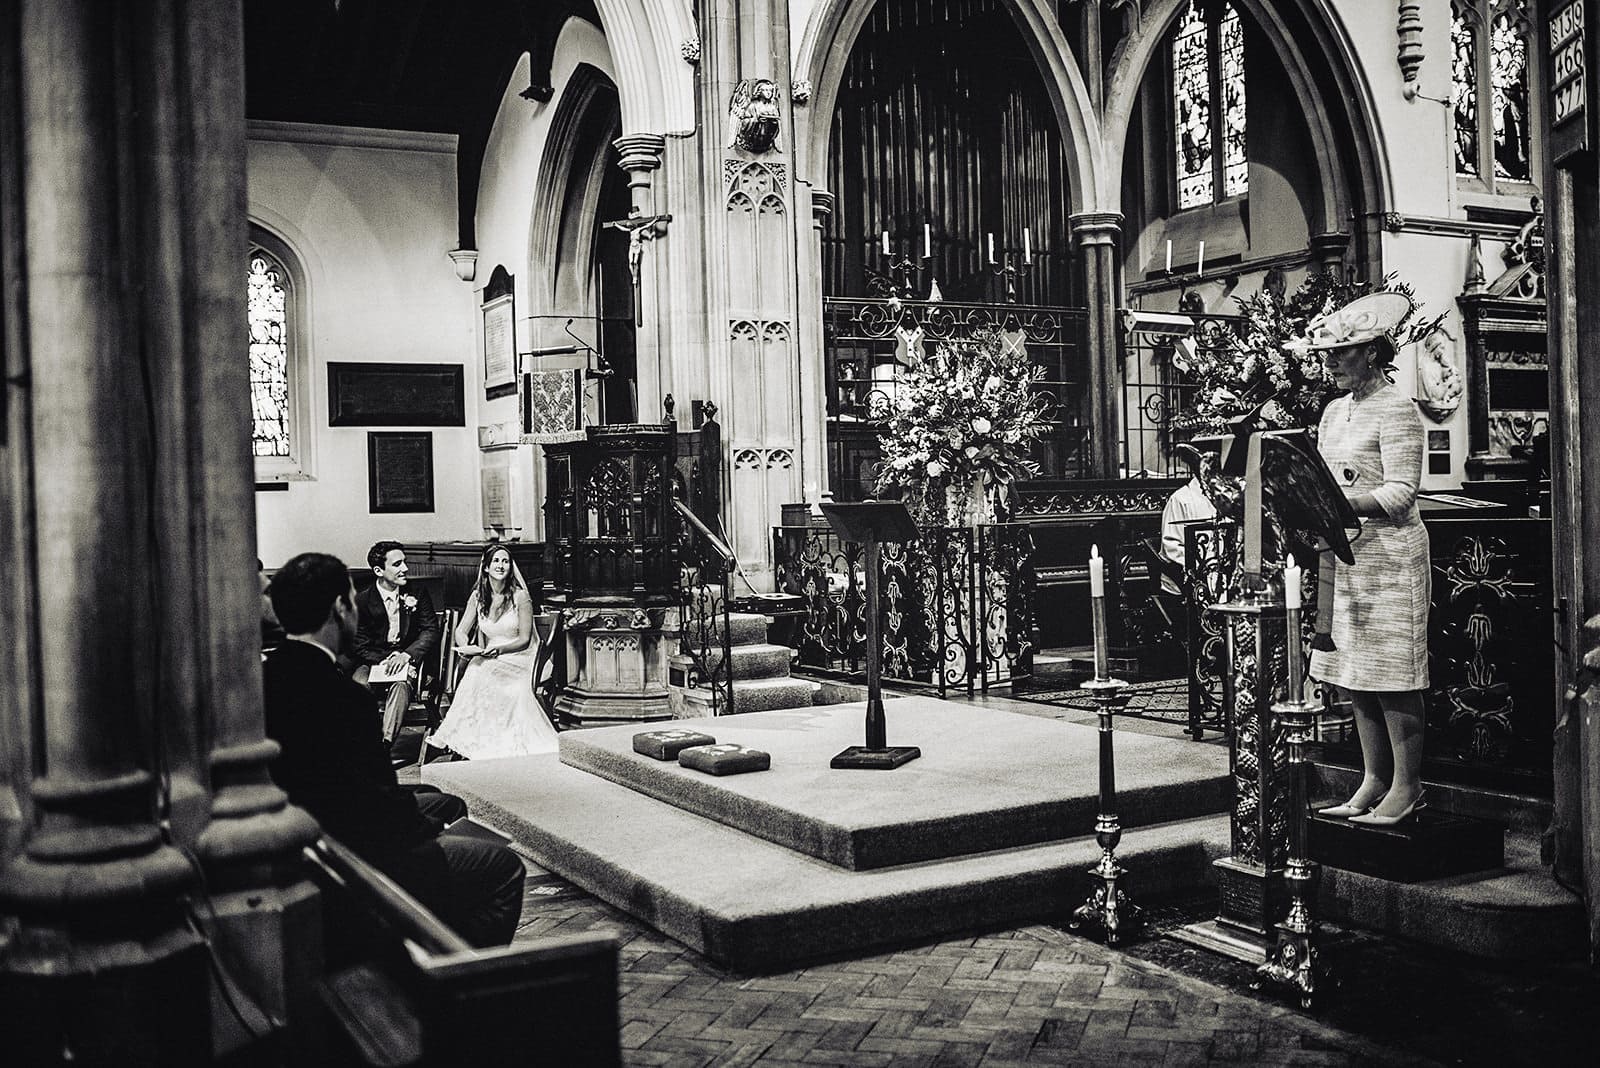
(334, 765)
(395, 628)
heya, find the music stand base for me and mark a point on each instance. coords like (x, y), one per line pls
(886, 759)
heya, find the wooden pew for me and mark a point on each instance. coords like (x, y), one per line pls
(404, 989)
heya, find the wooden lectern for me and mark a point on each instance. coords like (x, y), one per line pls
(872, 523)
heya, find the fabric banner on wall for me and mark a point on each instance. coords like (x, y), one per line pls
(552, 406)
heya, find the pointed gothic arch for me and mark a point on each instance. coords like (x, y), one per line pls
(1354, 184)
(829, 40)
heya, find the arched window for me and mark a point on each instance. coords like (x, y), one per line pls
(1208, 102)
(274, 294)
(1491, 78)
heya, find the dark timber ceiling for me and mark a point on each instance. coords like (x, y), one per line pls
(437, 66)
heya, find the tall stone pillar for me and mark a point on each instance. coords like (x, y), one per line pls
(641, 158)
(813, 359)
(135, 602)
(1098, 234)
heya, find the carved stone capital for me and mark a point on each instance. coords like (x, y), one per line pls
(1329, 248)
(1096, 227)
(800, 92)
(822, 203)
(640, 151)
(690, 50)
(1408, 53)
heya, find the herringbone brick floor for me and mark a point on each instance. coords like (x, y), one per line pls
(1029, 996)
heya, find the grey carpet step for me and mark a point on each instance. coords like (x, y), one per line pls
(756, 661)
(1518, 912)
(755, 906)
(987, 780)
(757, 695)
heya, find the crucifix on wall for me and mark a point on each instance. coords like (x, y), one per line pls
(639, 228)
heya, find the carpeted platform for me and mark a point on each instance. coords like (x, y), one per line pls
(986, 780)
(755, 905)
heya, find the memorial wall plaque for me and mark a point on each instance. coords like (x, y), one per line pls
(396, 394)
(400, 471)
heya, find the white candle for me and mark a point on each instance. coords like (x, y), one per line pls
(927, 241)
(1291, 584)
(1027, 245)
(1169, 255)
(1200, 262)
(991, 248)
(886, 242)
(1097, 572)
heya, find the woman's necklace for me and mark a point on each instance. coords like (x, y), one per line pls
(1359, 394)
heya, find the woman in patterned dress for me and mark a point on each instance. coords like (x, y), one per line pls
(1372, 440)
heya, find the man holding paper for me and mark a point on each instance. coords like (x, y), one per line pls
(395, 633)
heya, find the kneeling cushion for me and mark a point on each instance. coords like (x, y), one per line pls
(725, 759)
(667, 744)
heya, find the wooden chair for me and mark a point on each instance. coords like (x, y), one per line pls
(551, 630)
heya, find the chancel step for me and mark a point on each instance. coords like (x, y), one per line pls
(1427, 845)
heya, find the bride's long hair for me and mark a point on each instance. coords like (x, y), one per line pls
(486, 586)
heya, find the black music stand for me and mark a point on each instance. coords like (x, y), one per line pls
(871, 523)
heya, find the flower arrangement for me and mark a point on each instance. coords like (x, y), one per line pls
(1265, 363)
(960, 426)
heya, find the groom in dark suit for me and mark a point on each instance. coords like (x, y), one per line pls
(334, 765)
(395, 628)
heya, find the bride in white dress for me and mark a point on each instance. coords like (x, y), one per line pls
(494, 713)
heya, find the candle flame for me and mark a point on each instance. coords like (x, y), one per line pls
(1291, 560)
(1094, 552)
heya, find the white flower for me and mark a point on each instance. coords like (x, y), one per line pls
(408, 601)
(971, 451)
(935, 468)
(981, 425)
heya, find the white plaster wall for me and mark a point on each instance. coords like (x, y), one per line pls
(371, 226)
(510, 174)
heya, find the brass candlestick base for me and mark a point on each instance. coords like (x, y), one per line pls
(1292, 961)
(1107, 907)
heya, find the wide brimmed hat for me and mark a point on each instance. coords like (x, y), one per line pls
(1362, 320)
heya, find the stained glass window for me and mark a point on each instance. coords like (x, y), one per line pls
(1208, 68)
(1191, 80)
(268, 300)
(1508, 89)
(1464, 90)
(1235, 170)
(1490, 90)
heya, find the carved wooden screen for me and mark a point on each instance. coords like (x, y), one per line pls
(943, 122)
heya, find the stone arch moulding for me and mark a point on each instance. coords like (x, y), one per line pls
(654, 83)
(831, 33)
(1326, 79)
(559, 169)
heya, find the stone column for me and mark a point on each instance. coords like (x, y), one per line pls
(139, 552)
(814, 360)
(641, 158)
(1100, 265)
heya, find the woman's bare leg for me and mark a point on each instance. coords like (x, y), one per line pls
(1377, 763)
(1403, 717)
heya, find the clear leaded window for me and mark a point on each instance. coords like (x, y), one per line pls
(1208, 81)
(268, 303)
(1490, 90)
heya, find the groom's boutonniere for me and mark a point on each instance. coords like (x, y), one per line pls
(408, 602)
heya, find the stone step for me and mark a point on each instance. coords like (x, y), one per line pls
(755, 906)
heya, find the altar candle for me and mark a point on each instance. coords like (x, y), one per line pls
(927, 241)
(1027, 245)
(886, 242)
(1291, 584)
(1097, 613)
(1200, 262)
(1169, 255)
(991, 248)
(1097, 572)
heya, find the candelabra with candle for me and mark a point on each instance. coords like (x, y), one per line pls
(1107, 906)
(1292, 961)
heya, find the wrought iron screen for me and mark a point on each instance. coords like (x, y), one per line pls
(1157, 395)
(957, 603)
(869, 341)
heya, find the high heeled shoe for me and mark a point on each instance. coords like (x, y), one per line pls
(1348, 810)
(1372, 819)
